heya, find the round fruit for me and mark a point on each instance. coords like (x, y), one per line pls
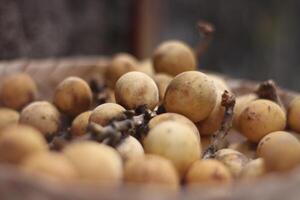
(95, 162)
(208, 172)
(174, 141)
(280, 150)
(254, 169)
(173, 57)
(17, 142)
(18, 90)
(191, 94)
(240, 104)
(130, 148)
(8, 117)
(73, 96)
(162, 81)
(175, 118)
(42, 115)
(234, 160)
(294, 115)
(50, 165)
(80, 124)
(104, 113)
(219, 82)
(120, 65)
(135, 89)
(151, 170)
(261, 117)
(245, 147)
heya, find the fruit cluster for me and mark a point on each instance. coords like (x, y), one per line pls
(159, 122)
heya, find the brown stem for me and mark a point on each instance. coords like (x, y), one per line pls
(206, 30)
(268, 90)
(218, 137)
(100, 92)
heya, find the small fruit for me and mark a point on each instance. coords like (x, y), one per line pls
(174, 141)
(280, 150)
(80, 124)
(294, 115)
(104, 113)
(234, 160)
(208, 172)
(73, 96)
(205, 142)
(42, 115)
(162, 81)
(8, 117)
(95, 162)
(151, 170)
(173, 57)
(191, 94)
(49, 165)
(245, 147)
(130, 148)
(135, 89)
(17, 142)
(175, 118)
(254, 169)
(18, 90)
(240, 104)
(120, 65)
(219, 82)
(261, 117)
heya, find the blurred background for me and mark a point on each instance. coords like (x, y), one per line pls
(253, 39)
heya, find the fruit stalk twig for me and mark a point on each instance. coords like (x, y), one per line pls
(206, 30)
(100, 92)
(268, 90)
(131, 123)
(218, 138)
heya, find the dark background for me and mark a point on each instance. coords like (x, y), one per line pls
(254, 39)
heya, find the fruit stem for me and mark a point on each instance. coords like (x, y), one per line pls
(218, 137)
(206, 30)
(268, 90)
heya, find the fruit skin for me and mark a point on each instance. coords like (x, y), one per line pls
(173, 57)
(219, 82)
(213, 122)
(17, 142)
(234, 160)
(80, 124)
(42, 115)
(95, 162)
(151, 170)
(208, 172)
(254, 169)
(162, 81)
(146, 67)
(294, 115)
(120, 64)
(191, 94)
(174, 141)
(280, 150)
(261, 117)
(104, 113)
(240, 104)
(245, 147)
(130, 148)
(49, 165)
(18, 90)
(8, 117)
(135, 89)
(73, 96)
(173, 117)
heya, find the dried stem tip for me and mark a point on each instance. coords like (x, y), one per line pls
(268, 90)
(218, 138)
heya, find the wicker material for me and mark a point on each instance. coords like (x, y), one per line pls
(49, 72)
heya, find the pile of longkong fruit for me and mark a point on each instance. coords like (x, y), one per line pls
(158, 122)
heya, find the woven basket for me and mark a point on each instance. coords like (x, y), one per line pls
(49, 72)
